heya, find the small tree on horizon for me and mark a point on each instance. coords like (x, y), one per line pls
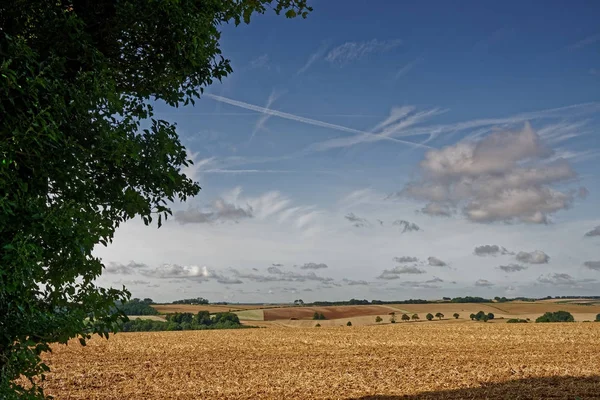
(429, 316)
(472, 316)
(378, 319)
(456, 315)
(415, 317)
(405, 317)
(393, 317)
(439, 315)
(349, 323)
(490, 316)
(597, 318)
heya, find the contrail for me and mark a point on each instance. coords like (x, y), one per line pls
(308, 121)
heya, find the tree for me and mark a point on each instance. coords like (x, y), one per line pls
(429, 316)
(317, 325)
(405, 317)
(415, 317)
(439, 315)
(490, 316)
(349, 323)
(203, 318)
(479, 316)
(456, 315)
(472, 316)
(558, 316)
(378, 319)
(81, 152)
(393, 317)
(485, 318)
(597, 318)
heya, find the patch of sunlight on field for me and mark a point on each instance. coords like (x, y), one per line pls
(251, 315)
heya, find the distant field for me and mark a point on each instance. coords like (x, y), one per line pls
(150, 317)
(332, 312)
(173, 308)
(500, 310)
(438, 361)
(251, 315)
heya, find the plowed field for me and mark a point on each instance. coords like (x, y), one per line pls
(334, 312)
(428, 361)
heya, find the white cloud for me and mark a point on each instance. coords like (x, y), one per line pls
(436, 262)
(498, 178)
(593, 232)
(353, 51)
(534, 257)
(314, 57)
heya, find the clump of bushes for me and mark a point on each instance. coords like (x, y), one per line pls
(482, 316)
(558, 316)
(516, 321)
(378, 319)
(317, 325)
(318, 316)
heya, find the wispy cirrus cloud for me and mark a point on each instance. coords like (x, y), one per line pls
(308, 121)
(406, 68)
(587, 41)
(264, 117)
(353, 51)
(313, 58)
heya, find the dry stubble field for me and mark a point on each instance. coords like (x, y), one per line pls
(429, 361)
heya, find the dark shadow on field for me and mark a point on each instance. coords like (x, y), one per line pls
(571, 388)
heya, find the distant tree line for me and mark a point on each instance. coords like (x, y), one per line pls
(185, 321)
(196, 301)
(137, 307)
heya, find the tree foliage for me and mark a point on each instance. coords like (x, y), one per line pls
(81, 152)
(456, 315)
(429, 316)
(378, 319)
(137, 307)
(557, 316)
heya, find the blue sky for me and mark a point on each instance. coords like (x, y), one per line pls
(345, 144)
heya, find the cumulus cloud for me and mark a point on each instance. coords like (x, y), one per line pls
(405, 259)
(503, 177)
(512, 268)
(394, 273)
(594, 232)
(420, 285)
(595, 265)
(436, 262)
(312, 265)
(278, 275)
(490, 250)
(483, 283)
(352, 51)
(219, 211)
(406, 225)
(534, 257)
(356, 220)
(123, 269)
(195, 272)
(351, 282)
(557, 279)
